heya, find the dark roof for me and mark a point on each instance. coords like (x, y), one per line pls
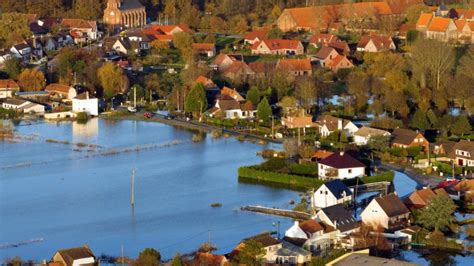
(230, 104)
(21, 46)
(392, 205)
(341, 216)
(265, 239)
(130, 4)
(337, 188)
(341, 160)
(69, 255)
(404, 136)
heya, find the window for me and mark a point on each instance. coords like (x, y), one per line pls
(350, 171)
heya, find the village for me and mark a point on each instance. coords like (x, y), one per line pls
(350, 93)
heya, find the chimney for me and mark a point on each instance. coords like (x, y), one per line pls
(339, 124)
(87, 95)
(297, 223)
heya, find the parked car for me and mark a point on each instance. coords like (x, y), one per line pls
(148, 115)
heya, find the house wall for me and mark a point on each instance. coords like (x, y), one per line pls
(348, 173)
(90, 106)
(374, 215)
(83, 261)
(286, 22)
(295, 232)
(360, 140)
(350, 129)
(323, 198)
(6, 93)
(37, 108)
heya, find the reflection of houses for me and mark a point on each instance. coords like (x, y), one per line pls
(463, 153)
(331, 193)
(278, 47)
(340, 165)
(388, 211)
(405, 138)
(329, 124)
(363, 135)
(75, 256)
(87, 130)
(8, 87)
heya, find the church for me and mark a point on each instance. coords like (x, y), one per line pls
(124, 13)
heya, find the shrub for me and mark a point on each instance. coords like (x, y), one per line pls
(268, 153)
(447, 168)
(294, 181)
(307, 169)
(197, 138)
(273, 164)
(384, 176)
(82, 117)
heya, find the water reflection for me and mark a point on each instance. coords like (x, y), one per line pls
(88, 130)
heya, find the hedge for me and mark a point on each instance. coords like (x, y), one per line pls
(307, 169)
(383, 176)
(293, 181)
(447, 168)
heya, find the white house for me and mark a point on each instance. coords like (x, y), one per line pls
(463, 153)
(25, 106)
(328, 124)
(75, 256)
(363, 135)
(388, 212)
(8, 87)
(340, 165)
(84, 103)
(21, 51)
(331, 193)
(232, 109)
(312, 235)
(339, 217)
(269, 244)
(5, 56)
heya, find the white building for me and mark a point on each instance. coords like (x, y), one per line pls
(26, 107)
(463, 153)
(340, 166)
(75, 256)
(363, 135)
(388, 212)
(312, 235)
(331, 193)
(328, 124)
(8, 87)
(84, 103)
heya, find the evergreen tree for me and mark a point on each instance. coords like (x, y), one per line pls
(177, 260)
(461, 126)
(253, 95)
(264, 111)
(438, 214)
(419, 120)
(196, 101)
(148, 257)
(13, 67)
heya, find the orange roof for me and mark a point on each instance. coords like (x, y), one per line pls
(465, 13)
(232, 93)
(310, 226)
(439, 24)
(201, 258)
(277, 44)
(167, 29)
(380, 41)
(56, 87)
(8, 84)
(460, 23)
(321, 154)
(79, 23)
(337, 60)
(424, 19)
(203, 46)
(260, 34)
(292, 64)
(465, 185)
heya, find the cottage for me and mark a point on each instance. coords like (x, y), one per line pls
(204, 49)
(238, 70)
(269, 244)
(328, 124)
(340, 166)
(232, 109)
(26, 107)
(21, 51)
(278, 47)
(375, 43)
(75, 256)
(405, 138)
(87, 29)
(223, 61)
(331, 193)
(125, 46)
(420, 198)
(165, 32)
(437, 27)
(232, 93)
(85, 103)
(297, 119)
(312, 235)
(388, 211)
(61, 91)
(443, 147)
(290, 254)
(322, 39)
(463, 153)
(295, 67)
(255, 36)
(8, 87)
(339, 217)
(363, 135)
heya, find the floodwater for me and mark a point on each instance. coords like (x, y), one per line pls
(68, 195)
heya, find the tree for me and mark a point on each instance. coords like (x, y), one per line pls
(87, 9)
(13, 67)
(264, 111)
(287, 103)
(240, 25)
(31, 80)
(138, 92)
(251, 254)
(148, 257)
(196, 101)
(110, 77)
(152, 83)
(253, 95)
(184, 43)
(274, 33)
(306, 93)
(14, 27)
(438, 214)
(461, 126)
(419, 121)
(378, 142)
(177, 260)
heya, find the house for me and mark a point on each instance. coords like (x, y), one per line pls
(290, 254)
(277, 47)
(295, 67)
(8, 87)
(57, 90)
(312, 235)
(204, 49)
(465, 31)
(340, 62)
(388, 211)
(125, 45)
(322, 39)
(75, 256)
(463, 153)
(232, 93)
(437, 27)
(375, 43)
(50, 44)
(420, 198)
(232, 109)
(36, 47)
(340, 165)
(326, 55)
(443, 147)
(460, 13)
(223, 61)
(297, 119)
(338, 217)
(85, 103)
(269, 244)
(331, 193)
(238, 70)
(85, 28)
(405, 138)
(255, 36)
(26, 107)
(363, 135)
(206, 258)
(165, 32)
(5, 56)
(21, 51)
(465, 188)
(328, 124)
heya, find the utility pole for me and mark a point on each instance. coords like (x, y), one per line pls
(135, 97)
(133, 188)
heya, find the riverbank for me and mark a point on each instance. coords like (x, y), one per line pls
(191, 125)
(420, 179)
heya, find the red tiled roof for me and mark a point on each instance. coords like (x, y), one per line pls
(277, 44)
(337, 60)
(260, 34)
(439, 24)
(203, 46)
(321, 154)
(380, 41)
(292, 64)
(460, 23)
(424, 19)
(325, 51)
(310, 226)
(8, 84)
(56, 87)
(232, 93)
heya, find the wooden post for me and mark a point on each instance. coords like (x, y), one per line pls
(133, 188)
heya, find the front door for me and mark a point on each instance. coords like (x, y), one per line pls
(460, 162)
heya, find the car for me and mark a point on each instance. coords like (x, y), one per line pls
(169, 117)
(132, 109)
(148, 115)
